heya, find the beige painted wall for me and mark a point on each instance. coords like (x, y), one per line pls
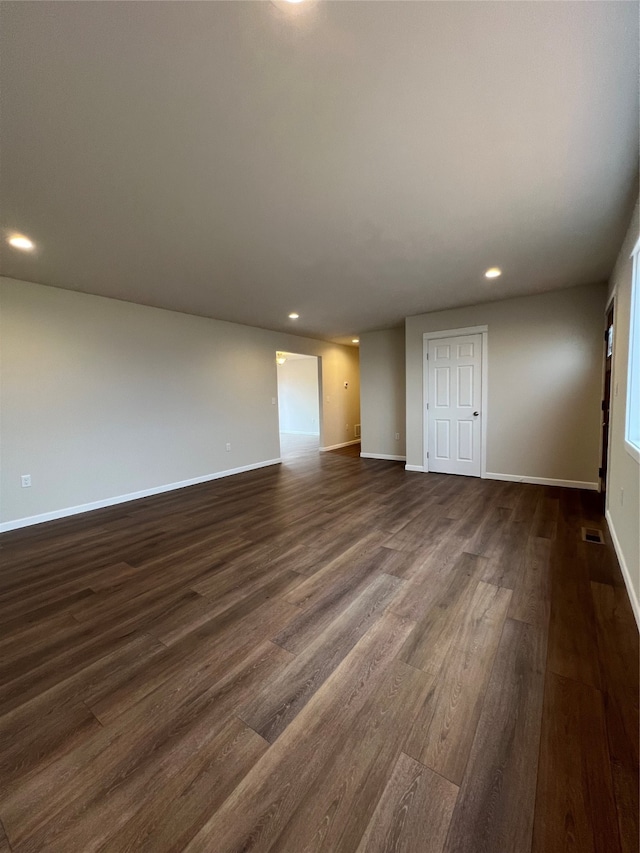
(544, 383)
(382, 394)
(623, 488)
(101, 398)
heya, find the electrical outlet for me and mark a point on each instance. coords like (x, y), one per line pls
(346, 426)
(228, 446)
(25, 481)
(621, 496)
(397, 436)
(273, 401)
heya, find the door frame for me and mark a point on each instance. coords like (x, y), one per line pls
(610, 308)
(452, 333)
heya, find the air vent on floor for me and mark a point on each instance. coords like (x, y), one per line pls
(356, 430)
(592, 534)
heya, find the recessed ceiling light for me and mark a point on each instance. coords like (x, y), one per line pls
(293, 316)
(19, 241)
(494, 272)
(293, 7)
(355, 340)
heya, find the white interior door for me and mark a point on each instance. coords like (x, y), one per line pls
(454, 417)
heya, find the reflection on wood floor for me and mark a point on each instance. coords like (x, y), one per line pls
(296, 446)
(327, 655)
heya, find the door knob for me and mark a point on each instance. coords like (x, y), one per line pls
(475, 414)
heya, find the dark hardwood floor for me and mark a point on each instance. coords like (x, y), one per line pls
(328, 656)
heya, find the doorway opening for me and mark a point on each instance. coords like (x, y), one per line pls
(298, 404)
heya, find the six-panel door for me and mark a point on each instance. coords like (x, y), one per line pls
(454, 420)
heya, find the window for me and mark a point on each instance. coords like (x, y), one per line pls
(632, 431)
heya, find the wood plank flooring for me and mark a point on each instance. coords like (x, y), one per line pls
(328, 656)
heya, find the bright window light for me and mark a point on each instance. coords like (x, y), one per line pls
(632, 427)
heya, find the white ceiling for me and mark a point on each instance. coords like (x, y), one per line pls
(356, 162)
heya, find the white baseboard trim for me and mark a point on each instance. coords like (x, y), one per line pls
(386, 456)
(414, 468)
(338, 446)
(633, 598)
(543, 481)
(133, 496)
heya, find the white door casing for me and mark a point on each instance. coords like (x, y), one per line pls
(453, 413)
